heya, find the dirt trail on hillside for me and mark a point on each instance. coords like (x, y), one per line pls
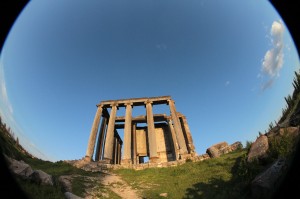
(119, 186)
(97, 187)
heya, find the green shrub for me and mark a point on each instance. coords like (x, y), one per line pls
(248, 145)
(281, 146)
(247, 171)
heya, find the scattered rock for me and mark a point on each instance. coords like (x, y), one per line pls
(163, 195)
(266, 183)
(222, 148)
(23, 170)
(215, 150)
(258, 149)
(19, 168)
(236, 146)
(69, 195)
(230, 148)
(80, 163)
(66, 183)
(40, 177)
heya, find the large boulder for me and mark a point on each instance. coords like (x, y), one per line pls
(232, 147)
(40, 177)
(264, 185)
(222, 148)
(66, 183)
(216, 150)
(19, 168)
(258, 149)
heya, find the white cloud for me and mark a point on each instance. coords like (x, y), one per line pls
(273, 59)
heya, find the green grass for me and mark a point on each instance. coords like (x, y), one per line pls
(9, 146)
(80, 184)
(34, 191)
(213, 178)
(57, 168)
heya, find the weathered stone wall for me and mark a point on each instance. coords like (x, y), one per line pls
(163, 143)
(163, 140)
(141, 138)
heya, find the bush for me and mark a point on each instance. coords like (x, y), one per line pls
(247, 171)
(248, 145)
(281, 146)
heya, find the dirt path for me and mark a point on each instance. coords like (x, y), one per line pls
(107, 185)
(119, 186)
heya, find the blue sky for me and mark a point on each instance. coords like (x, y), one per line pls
(227, 64)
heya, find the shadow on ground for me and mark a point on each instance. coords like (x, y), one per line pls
(218, 188)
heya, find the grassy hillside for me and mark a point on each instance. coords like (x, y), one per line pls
(213, 178)
(9, 146)
(228, 176)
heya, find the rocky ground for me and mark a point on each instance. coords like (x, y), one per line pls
(106, 186)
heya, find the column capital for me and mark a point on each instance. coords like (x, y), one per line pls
(99, 105)
(128, 103)
(170, 100)
(114, 104)
(182, 116)
(148, 102)
(169, 118)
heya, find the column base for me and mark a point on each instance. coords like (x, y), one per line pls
(182, 152)
(126, 161)
(135, 161)
(185, 156)
(154, 159)
(108, 161)
(87, 159)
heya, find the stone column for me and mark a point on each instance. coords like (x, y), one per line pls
(175, 143)
(127, 134)
(177, 128)
(191, 146)
(119, 153)
(109, 141)
(113, 159)
(93, 134)
(151, 133)
(134, 149)
(116, 151)
(99, 147)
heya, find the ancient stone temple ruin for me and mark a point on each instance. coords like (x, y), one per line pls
(160, 137)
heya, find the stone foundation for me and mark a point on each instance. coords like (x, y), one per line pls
(104, 166)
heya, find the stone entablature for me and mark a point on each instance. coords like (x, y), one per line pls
(164, 138)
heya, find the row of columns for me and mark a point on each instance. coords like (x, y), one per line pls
(111, 151)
